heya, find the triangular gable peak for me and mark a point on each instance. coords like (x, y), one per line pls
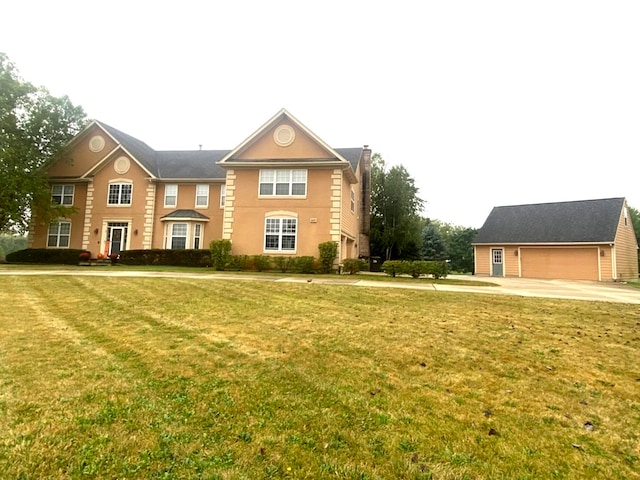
(83, 152)
(283, 140)
(127, 146)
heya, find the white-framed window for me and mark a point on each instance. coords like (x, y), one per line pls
(59, 234)
(197, 235)
(62, 194)
(223, 195)
(120, 194)
(202, 195)
(178, 236)
(283, 182)
(184, 234)
(170, 195)
(280, 234)
(353, 201)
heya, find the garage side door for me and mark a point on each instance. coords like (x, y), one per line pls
(571, 263)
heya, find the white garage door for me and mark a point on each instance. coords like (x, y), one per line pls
(571, 263)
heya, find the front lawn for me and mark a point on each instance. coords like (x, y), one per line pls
(105, 377)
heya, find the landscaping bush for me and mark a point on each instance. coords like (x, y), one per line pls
(261, 263)
(238, 263)
(305, 264)
(353, 265)
(284, 264)
(176, 258)
(56, 256)
(416, 269)
(220, 253)
(392, 267)
(328, 254)
(437, 269)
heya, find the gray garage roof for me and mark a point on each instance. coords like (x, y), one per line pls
(586, 221)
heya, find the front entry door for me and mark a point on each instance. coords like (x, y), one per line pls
(115, 240)
(497, 269)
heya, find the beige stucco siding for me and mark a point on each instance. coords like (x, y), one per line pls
(133, 214)
(264, 148)
(39, 230)
(311, 211)
(187, 201)
(626, 249)
(81, 158)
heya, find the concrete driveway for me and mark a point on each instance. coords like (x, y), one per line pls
(524, 287)
(570, 289)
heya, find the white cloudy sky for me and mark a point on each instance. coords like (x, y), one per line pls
(484, 102)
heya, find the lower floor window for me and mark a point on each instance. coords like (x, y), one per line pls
(183, 235)
(179, 236)
(59, 234)
(280, 234)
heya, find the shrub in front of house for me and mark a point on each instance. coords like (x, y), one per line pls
(284, 264)
(353, 265)
(54, 256)
(261, 263)
(175, 258)
(328, 254)
(220, 253)
(238, 263)
(415, 269)
(305, 265)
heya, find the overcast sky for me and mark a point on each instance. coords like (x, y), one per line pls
(485, 103)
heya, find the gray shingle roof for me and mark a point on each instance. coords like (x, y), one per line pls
(352, 155)
(183, 214)
(191, 164)
(562, 222)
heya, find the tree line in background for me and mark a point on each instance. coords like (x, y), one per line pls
(398, 231)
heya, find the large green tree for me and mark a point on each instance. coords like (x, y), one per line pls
(433, 244)
(34, 129)
(395, 209)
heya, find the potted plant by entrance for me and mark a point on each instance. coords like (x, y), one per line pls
(85, 257)
(114, 257)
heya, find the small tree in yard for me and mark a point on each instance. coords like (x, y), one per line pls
(220, 253)
(328, 254)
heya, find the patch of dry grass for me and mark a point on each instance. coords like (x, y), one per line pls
(188, 378)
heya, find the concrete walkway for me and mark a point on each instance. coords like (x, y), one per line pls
(564, 289)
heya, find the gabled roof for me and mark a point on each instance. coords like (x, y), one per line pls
(586, 221)
(141, 152)
(351, 155)
(283, 113)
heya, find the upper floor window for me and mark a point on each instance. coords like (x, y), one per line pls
(62, 194)
(283, 182)
(202, 195)
(223, 195)
(120, 194)
(170, 195)
(353, 201)
(59, 234)
(280, 234)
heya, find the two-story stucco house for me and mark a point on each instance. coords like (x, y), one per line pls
(282, 191)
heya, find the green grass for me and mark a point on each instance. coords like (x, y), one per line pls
(104, 377)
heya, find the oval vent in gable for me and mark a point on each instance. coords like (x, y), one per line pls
(121, 165)
(96, 144)
(284, 135)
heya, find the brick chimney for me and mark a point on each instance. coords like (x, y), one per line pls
(365, 202)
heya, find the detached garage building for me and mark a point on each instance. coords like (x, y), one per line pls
(583, 240)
